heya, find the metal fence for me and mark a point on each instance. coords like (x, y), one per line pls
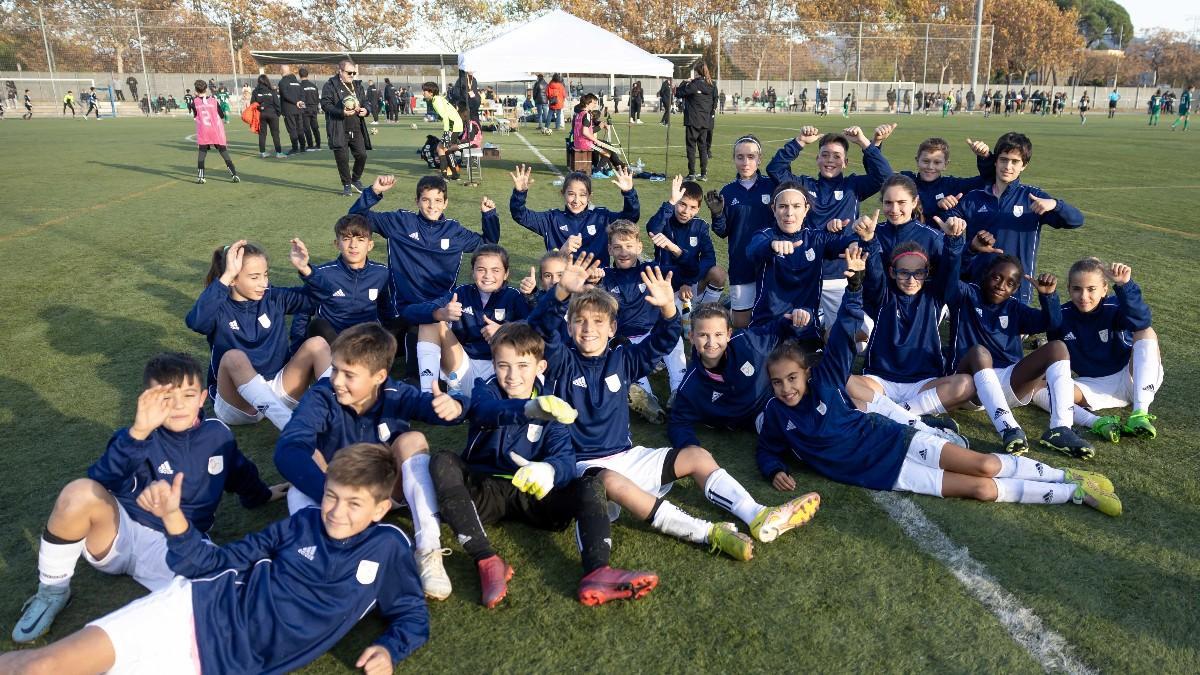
(133, 51)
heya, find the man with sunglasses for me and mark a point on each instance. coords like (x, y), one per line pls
(343, 100)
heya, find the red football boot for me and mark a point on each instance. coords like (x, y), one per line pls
(605, 583)
(494, 574)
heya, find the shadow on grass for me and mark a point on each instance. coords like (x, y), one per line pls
(125, 343)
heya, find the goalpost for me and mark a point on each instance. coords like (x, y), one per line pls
(871, 95)
(110, 104)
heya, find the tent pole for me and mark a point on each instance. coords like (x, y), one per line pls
(667, 151)
(628, 120)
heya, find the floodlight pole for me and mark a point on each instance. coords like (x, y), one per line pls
(137, 19)
(49, 58)
(233, 60)
(975, 49)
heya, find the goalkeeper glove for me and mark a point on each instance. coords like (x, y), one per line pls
(550, 408)
(535, 478)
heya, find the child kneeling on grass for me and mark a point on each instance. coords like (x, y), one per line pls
(595, 379)
(99, 517)
(519, 464)
(811, 419)
(328, 568)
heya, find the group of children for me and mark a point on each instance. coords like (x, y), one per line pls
(545, 375)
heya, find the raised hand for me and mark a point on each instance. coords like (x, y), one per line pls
(162, 498)
(799, 317)
(659, 292)
(383, 183)
(529, 283)
(676, 189)
(686, 293)
(1119, 273)
(1040, 206)
(664, 242)
(298, 256)
(535, 478)
(949, 201)
(233, 261)
(624, 178)
(953, 226)
(979, 148)
(784, 247)
(856, 260)
(985, 242)
(595, 276)
(153, 408)
(808, 134)
(574, 243)
(445, 406)
(575, 274)
(486, 204)
(716, 203)
(452, 311)
(375, 660)
(864, 227)
(489, 328)
(522, 177)
(837, 224)
(856, 135)
(882, 132)
(1045, 283)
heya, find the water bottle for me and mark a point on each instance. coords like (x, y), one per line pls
(641, 166)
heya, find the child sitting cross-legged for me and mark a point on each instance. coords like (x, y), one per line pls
(99, 517)
(594, 378)
(227, 612)
(519, 464)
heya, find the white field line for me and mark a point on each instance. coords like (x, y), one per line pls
(538, 153)
(1047, 647)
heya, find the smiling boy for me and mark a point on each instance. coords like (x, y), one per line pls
(349, 288)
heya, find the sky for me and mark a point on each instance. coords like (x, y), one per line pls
(1172, 14)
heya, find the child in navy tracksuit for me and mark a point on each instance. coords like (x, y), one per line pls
(594, 379)
(726, 387)
(904, 219)
(349, 289)
(812, 419)
(987, 322)
(791, 259)
(359, 403)
(1114, 350)
(939, 192)
(227, 612)
(578, 226)
(740, 209)
(98, 516)
(519, 463)
(636, 318)
(683, 245)
(1009, 215)
(245, 321)
(836, 196)
(425, 250)
(460, 324)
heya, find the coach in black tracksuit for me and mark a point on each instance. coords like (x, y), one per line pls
(389, 99)
(312, 107)
(346, 131)
(291, 93)
(698, 95)
(267, 99)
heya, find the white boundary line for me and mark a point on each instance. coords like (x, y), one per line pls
(1048, 648)
(538, 153)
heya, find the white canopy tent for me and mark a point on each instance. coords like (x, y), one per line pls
(558, 42)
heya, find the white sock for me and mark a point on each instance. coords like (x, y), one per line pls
(925, 403)
(897, 413)
(1062, 394)
(726, 492)
(56, 562)
(670, 519)
(429, 362)
(1024, 468)
(260, 395)
(991, 394)
(676, 365)
(1082, 416)
(710, 294)
(1032, 492)
(422, 501)
(1145, 372)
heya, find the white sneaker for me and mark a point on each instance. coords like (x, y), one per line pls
(434, 580)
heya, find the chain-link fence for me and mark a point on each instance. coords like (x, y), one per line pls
(794, 55)
(145, 58)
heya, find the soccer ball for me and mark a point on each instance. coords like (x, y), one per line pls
(413, 125)
(374, 130)
(350, 102)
